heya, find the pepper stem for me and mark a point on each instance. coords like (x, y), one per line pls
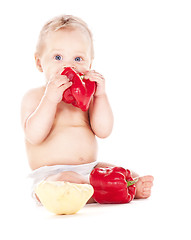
(129, 183)
(82, 77)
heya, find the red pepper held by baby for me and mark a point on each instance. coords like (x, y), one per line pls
(81, 91)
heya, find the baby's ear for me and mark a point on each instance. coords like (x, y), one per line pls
(38, 62)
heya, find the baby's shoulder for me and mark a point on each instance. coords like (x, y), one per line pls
(30, 101)
(32, 98)
(34, 94)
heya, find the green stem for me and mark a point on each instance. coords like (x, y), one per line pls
(82, 77)
(129, 183)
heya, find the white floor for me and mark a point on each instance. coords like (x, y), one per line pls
(145, 58)
(162, 216)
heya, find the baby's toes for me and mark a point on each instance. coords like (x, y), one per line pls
(147, 178)
(147, 184)
(146, 192)
(143, 187)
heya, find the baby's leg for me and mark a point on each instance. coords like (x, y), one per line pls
(68, 176)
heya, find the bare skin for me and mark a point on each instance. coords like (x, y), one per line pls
(57, 133)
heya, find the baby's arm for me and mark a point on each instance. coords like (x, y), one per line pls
(101, 116)
(39, 108)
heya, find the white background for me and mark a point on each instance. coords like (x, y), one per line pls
(143, 48)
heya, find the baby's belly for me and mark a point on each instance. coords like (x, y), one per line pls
(68, 145)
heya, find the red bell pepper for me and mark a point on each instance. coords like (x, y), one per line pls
(112, 185)
(81, 91)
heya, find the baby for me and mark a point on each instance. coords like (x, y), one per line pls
(60, 138)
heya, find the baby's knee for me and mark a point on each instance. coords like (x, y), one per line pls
(68, 176)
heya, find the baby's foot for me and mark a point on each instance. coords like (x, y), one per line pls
(143, 186)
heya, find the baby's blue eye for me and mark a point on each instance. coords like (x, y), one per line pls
(78, 59)
(58, 57)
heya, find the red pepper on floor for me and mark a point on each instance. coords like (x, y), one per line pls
(112, 185)
(81, 91)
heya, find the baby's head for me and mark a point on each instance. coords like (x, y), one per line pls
(64, 41)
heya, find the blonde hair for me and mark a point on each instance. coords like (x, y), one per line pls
(63, 22)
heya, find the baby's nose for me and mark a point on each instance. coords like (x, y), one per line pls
(68, 65)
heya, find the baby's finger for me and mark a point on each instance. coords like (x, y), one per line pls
(96, 74)
(59, 82)
(63, 87)
(95, 78)
(93, 74)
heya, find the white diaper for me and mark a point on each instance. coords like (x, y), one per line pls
(42, 173)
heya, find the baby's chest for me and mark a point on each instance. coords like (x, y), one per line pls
(70, 116)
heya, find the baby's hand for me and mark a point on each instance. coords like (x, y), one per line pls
(56, 85)
(99, 79)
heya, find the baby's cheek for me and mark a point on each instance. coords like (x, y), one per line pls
(83, 69)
